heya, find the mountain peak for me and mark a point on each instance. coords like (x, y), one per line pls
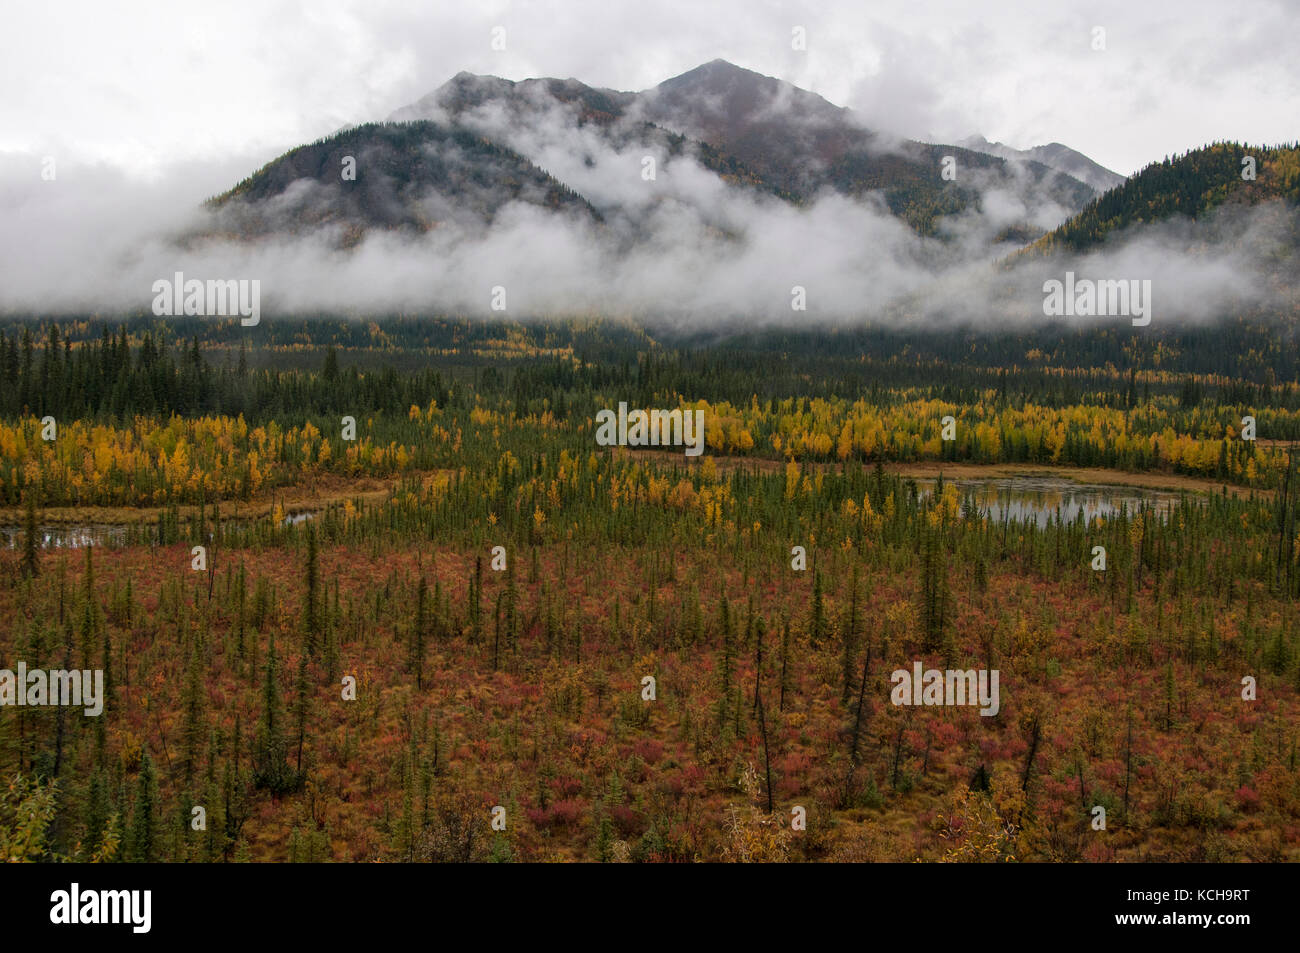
(714, 73)
(757, 130)
(1054, 155)
(466, 78)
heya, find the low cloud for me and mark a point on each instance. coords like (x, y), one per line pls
(684, 250)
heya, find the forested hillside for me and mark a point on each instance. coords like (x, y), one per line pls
(1190, 185)
(405, 166)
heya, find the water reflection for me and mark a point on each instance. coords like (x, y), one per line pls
(68, 537)
(1019, 498)
(1039, 499)
(60, 536)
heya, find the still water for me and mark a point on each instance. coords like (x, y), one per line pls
(74, 536)
(1038, 499)
(1021, 499)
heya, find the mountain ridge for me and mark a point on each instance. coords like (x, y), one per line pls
(1056, 155)
(794, 142)
(553, 143)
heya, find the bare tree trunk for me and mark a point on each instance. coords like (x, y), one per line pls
(1035, 731)
(767, 761)
(862, 697)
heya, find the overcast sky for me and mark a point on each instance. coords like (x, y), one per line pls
(147, 108)
(158, 86)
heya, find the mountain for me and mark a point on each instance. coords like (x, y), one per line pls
(1056, 156)
(773, 125)
(803, 144)
(414, 175)
(764, 131)
(466, 92)
(478, 143)
(530, 113)
(1191, 186)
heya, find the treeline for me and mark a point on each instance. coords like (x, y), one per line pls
(1190, 185)
(79, 368)
(108, 378)
(138, 459)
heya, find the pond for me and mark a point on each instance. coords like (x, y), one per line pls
(1019, 498)
(1038, 499)
(77, 536)
(67, 536)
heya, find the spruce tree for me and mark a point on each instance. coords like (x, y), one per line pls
(269, 768)
(311, 614)
(31, 565)
(97, 808)
(301, 706)
(727, 668)
(785, 660)
(850, 648)
(418, 634)
(194, 726)
(817, 625)
(89, 612)
(142, 836)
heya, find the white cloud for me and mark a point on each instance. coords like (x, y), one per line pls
(149, 83)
